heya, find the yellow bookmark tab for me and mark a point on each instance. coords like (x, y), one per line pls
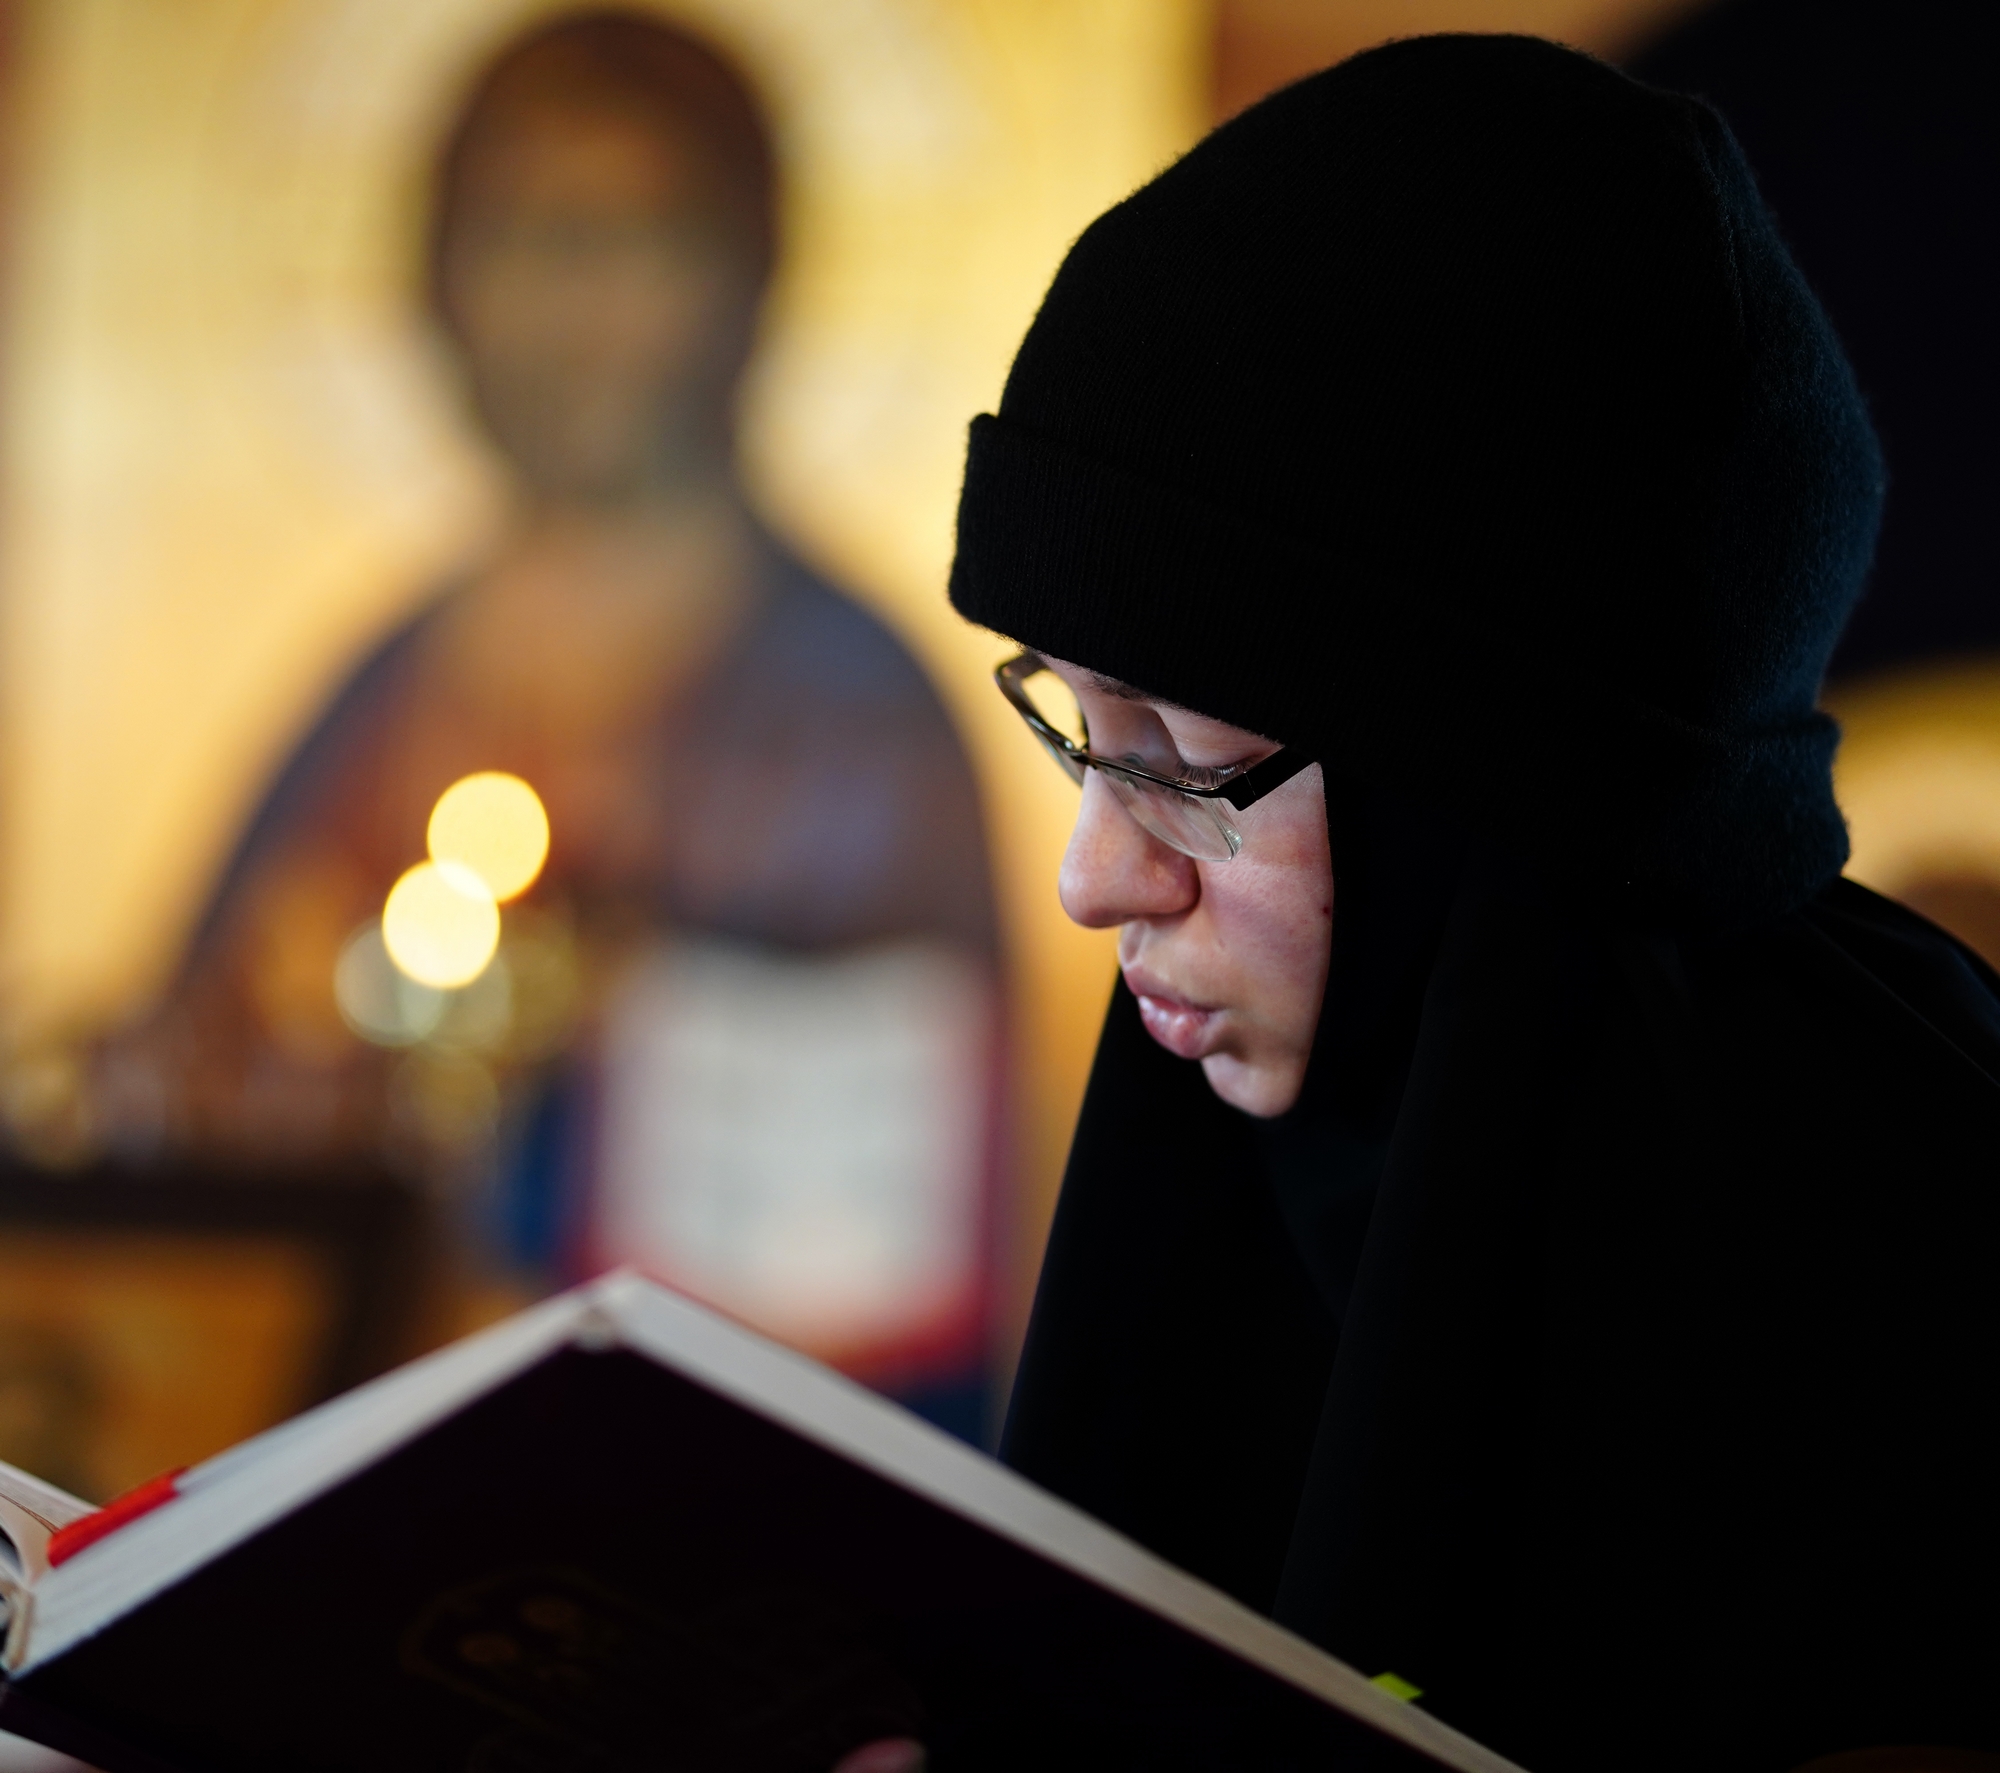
(1396, 1687)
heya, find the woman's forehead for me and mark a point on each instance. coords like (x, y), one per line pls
(1183, 715)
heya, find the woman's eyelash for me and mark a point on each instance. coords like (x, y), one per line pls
(1205, 775)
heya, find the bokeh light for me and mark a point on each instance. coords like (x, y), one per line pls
(441, 925)
(377, 999)
(494, 824)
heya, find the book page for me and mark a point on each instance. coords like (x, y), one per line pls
(30, 1511)
(19, 1755)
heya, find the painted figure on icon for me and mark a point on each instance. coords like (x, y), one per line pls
(737, 1024)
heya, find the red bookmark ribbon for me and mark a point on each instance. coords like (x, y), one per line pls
(66, 1542)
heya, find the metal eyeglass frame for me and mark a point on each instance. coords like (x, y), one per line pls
(1233, 788)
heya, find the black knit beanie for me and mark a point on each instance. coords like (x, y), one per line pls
(1458, 414)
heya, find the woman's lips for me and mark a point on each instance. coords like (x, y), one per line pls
(1181, 1027)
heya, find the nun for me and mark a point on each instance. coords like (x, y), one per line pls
(1532, 1225)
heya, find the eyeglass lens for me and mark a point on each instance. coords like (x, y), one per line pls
(1195, 827)
(1054, 701)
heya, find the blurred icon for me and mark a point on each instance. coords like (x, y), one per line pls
(632, 899)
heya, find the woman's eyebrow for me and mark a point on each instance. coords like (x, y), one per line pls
(1125, 692)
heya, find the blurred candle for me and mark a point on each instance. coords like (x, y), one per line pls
(493, 824)
(441, 925)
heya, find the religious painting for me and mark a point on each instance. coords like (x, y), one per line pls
(101, 1335)
(634, 891)
(148, 1322)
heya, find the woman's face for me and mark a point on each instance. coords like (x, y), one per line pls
(1227, 959)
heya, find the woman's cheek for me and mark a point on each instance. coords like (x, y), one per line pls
(1297, 918)
(1256, 954)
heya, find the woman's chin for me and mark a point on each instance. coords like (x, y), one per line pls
(1257, 1086)
(1264, 1091)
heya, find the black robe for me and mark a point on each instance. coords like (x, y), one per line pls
(1606, 1343)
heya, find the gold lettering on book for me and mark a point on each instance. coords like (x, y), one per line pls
(765, 1679)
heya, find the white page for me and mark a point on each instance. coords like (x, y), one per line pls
(19, 1755)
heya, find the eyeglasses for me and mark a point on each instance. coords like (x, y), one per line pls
(1189, 812)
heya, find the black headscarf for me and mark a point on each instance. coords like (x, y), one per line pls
(1605, 1341)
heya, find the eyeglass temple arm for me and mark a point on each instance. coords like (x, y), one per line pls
(1260, 778)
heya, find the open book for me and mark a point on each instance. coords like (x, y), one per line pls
(618, 1533)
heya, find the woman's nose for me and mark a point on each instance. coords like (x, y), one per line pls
(1115, 872)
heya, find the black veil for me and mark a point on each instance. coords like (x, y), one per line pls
(1605, 1343)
